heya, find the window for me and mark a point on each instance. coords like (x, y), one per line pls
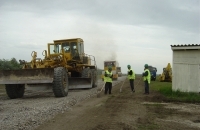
(74, 45)
(74, 50)
(109, 64)
(82, 48)
(55, 49)
(58, 48)
(66, 47)
(51, 49)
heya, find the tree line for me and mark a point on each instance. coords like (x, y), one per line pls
(11, 64)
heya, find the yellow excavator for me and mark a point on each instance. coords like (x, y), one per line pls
(64, 66)
(166, 75)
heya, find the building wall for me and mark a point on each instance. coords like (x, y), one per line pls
(186, 70)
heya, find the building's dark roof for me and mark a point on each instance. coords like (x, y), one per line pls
(189, 45)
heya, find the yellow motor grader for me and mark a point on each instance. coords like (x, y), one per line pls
(64, 66)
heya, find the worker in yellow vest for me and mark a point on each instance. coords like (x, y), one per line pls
(108, 80)
(131, 77)
(147, 78)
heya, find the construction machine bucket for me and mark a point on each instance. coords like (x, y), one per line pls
(78, 82)
(27, 76)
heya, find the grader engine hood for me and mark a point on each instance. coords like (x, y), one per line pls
(27, 76)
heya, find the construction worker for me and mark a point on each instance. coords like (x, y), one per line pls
(131, 77)
(147, 78)
(108, 80)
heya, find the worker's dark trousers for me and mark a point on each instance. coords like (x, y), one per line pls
(146, 87)
(108, 87)
(132, 84)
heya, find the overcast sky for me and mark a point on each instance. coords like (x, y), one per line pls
(134, 32)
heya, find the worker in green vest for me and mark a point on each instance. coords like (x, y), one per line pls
(131, 77)
(147, 78)
(108, 80)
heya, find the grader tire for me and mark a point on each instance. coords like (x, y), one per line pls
(15, 90)
(60, 82)
(94, 74)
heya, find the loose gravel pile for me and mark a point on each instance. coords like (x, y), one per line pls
(30, 112)
(36, 107)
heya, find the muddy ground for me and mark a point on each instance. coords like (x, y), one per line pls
(127, 111)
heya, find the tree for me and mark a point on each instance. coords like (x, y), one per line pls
(12, 64)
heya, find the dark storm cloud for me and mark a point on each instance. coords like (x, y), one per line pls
(178, 14)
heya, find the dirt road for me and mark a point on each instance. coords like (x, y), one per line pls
(38, 106)
(127, 111)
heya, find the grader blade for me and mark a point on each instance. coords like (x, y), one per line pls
(27, 76)
(77, 83)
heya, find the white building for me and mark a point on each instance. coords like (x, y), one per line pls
(186, 68)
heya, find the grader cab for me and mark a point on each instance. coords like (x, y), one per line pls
(64, 66)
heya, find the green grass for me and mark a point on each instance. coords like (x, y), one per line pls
(165, 88)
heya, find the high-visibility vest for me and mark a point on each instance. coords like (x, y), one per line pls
(148, 77)
(131, 76)
(108, 79)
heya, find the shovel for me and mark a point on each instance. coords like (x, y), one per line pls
(122, 86)
(98, 92)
